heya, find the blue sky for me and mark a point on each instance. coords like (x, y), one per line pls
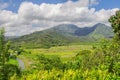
(13, 5)
(108, 4)
(20, 17)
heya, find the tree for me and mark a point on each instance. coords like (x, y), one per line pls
(6, 70)
(115, 23)
(114, 48)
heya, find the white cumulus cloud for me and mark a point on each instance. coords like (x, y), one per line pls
(33, 17)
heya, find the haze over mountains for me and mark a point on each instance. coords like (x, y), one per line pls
(66, 33)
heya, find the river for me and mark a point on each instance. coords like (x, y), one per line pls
(21, 64)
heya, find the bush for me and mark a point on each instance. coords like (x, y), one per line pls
(48, 63)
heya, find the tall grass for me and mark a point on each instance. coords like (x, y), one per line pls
(68, 75)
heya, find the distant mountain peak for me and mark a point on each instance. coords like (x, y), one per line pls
(100, 25)
(102, 30)
(65, 28)
(66, 33)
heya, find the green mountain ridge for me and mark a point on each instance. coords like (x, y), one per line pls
(64, 34)
(102, 31)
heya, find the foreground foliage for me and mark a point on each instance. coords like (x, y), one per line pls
(101, 63)
(6, 69)
(115, 23)
(68, 75)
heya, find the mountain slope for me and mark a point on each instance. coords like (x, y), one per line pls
(44, 39)
(102, 31)
(84, 31)
(63, 35)
(66, 29)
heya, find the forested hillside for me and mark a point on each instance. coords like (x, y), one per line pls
(64, 34)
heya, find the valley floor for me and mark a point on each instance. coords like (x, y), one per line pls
(66, 53)
(74, 62)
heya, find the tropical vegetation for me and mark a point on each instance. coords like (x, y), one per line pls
(57, 60)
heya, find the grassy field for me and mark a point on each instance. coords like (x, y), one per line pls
(86, 65)
(66, 53)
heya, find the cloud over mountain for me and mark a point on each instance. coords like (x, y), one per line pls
(33, 17)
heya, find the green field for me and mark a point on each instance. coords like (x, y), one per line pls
(74, 62)
(66, 53)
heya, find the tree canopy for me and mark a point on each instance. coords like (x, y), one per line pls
(115, 23)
